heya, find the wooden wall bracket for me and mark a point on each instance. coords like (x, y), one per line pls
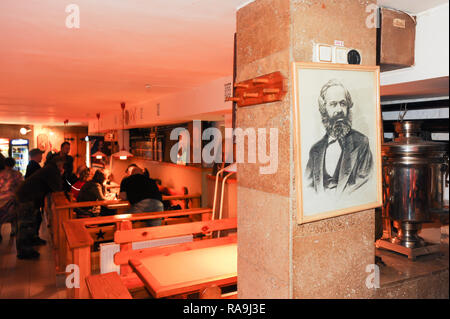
(263, 89)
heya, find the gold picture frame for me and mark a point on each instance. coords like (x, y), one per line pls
(327, 134)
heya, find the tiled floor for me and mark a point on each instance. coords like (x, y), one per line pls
(27, 278)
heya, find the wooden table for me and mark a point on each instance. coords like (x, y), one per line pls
(187, 271)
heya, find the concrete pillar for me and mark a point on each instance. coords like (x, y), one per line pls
(277, 257)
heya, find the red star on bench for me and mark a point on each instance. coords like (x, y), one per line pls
(100, 234)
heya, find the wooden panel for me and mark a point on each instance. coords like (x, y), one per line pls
(173, 230)
(230, 295)
(181, 197)
(62, 251)
(76, 234)
(105, 233)
(125, 247)
(144, 216)
(132, 282)
(91, 203)
(212, 292)
(263, 89)
(82, 258)
(59, 198)
(412, 253)
(174, 221)
(62, 204)
(95, 262)
(397, 39)
(107, 286)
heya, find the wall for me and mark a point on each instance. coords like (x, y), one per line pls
(50, 138)
(206, 100)
(11, 131)
(329, 257)
(229, 208)
(171, 175)
(263, 208)
(431, 52)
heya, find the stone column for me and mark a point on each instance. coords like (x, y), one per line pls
(277, 257)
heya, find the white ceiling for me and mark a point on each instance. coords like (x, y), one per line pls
(411, 6)
(49, 73)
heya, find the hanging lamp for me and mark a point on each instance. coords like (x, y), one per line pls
(123, 154)
(66, 122)
(98, 154)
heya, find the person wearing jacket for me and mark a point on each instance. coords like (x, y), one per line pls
(30, 196)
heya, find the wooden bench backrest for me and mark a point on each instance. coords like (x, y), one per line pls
(125, 236)
(97, 224)
(77, 227)
(145, 216)
(78, 237)
(148, 233)
(62, 202)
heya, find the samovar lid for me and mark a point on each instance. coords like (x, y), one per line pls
(409, 141)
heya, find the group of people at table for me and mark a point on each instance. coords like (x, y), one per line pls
(22, 198)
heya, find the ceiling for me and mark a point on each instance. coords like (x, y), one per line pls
(411, 6)
(50, 73)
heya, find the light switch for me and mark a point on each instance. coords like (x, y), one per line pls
(340, 55)
(325, 53)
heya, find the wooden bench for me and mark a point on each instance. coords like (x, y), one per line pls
(125, 236)
(80, 241)
(107, 286)
(59, 209)
(214, 292)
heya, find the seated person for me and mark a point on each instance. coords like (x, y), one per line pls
(130, 169)
(83, 173)
(30, 195)
(111, 190)
(93, 190)
(142, 193)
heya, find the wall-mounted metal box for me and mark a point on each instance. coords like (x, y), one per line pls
(396, 39)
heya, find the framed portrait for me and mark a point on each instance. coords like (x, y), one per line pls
(337, 130)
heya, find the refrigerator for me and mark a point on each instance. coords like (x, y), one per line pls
(19, 151)
(4, 147)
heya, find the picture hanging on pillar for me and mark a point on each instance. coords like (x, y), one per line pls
(337, 123)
